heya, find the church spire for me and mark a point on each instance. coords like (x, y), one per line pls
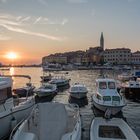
(102, 41)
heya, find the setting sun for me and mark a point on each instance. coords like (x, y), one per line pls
(11, 55)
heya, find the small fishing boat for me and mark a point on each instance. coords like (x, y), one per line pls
(131, 88)
(27, 90)
(107, 96)
(46, 78)
(50, 121)
(78, 91)
(46, 90)
(111, 129)
(12, 111)
(60, 81)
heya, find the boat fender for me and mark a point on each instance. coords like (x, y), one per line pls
(13, 123)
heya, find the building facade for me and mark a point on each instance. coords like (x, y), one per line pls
(54, 59)
(117, 56)
(135, 58)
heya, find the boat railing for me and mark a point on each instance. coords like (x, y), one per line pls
(18, 124)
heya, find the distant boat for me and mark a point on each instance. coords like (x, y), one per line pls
(46, 78)
(50, 121)
(52, 67)
(131, 88)
(78, 91)
(46, 90)
(11, 112)
(107, 97)
(111, 129)
(60, 81)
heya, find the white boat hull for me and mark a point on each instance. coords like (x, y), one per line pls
(52, 124)
(108, 133)
(78, 95)
(16, 114)
(114, 109)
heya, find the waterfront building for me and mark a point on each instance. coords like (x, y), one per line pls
(135, 58)
(117, 56)
(54, 59)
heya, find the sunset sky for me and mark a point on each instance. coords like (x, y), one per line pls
(35, 28)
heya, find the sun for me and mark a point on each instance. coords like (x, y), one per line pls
(11, 55)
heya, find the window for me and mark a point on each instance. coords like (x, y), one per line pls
(106, 98)
(111, 85)
(113, 132)
(102, 85)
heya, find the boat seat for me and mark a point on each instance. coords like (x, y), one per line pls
(28, 136)
(53, 121)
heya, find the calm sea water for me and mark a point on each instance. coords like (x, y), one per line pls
(131, 112)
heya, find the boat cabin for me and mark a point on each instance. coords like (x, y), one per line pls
(106, 84)
(5, 89)
(106, 90)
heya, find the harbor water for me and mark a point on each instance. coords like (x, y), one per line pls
(131, 112)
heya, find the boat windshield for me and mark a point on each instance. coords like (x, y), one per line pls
(111, 85)
(102, 85)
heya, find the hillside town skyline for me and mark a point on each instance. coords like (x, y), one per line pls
(95, 55)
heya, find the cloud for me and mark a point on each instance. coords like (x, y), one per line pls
(19, 30)
(3, 21)
(64, 21)
(2, 37)
(25, 19)
(16, 24)
(37, 20)
(77, 1)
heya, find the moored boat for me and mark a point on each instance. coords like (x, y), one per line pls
(78, 91)
(46, 90)
(60, 81)
(131, 88)
(11, 112)
(107, 96)
(27, 90)
(46, 78)
(111, 129)
(50, 121)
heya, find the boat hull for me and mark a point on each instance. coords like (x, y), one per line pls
(132, 93)
(10, 118)
(21, 92)
(114, 109)
(78, 95)
(46, 94)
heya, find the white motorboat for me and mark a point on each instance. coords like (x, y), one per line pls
(50, 121)
(11, 112)
(131, 88)
(60, 81)
(107, 96)
(111, 129)
(46, 90)
(78, 91)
